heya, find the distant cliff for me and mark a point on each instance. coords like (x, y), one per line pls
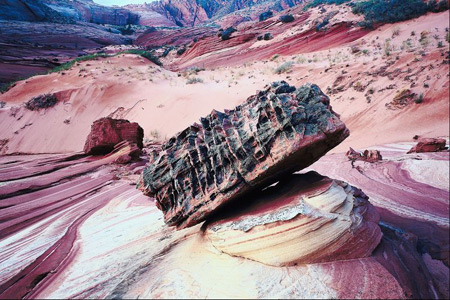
(185, 13)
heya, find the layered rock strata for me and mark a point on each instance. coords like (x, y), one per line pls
(304, 219)
(276, 132)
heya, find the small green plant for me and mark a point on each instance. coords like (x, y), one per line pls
(365, 51)
(413, 33)
(301, 59)
(2, 104)
(194, 80)
(419, 99)
(274, 57)
(395, 31)
(440, 44)
(284, 68)
(194, 70)
(387, 47)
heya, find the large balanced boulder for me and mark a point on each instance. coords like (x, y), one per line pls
(305, 218)
(276, 132)
(107, 133)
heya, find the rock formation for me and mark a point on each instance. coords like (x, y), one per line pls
(106, 133)
(367, 155)
(306, 218)
(190, 13)
(276, 132)
(428, 145)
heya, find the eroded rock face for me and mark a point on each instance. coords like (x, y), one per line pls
(306, 218)
(106, 133)
(276, 132)
(428, 145)
(367, 155)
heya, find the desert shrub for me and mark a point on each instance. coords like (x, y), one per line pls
(387, 47)
(265, 15)
(395, 31)
(194, 80)
(287, 18)
(181, 51)
(424, 38)
(226, 34)
(275, 56)
(283, 68)
(260, 38)
(41, 102)
(2, 104)
(419, 98)
(388, 11)
(268, 36)
(440, 44)
(70, 64)
(194, 70)
(315, 3)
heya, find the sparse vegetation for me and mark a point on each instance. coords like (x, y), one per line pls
(284, 68)
(419, 98)
(395, 31)
(274, 57)
(194, 80)
(387, 47)
(66, 66)
(320, 2)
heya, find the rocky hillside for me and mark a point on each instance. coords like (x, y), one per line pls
(185, 13)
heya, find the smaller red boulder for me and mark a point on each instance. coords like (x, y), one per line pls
(428, 145)
(107, 133)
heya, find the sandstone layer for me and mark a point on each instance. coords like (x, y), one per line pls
(276, 132)
(306, 218)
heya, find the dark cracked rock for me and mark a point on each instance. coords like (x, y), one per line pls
(276, 132)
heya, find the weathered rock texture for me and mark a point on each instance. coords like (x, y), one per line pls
(428, 145)
(306, 218)
(107, 133)
(275, 132)
(367, 155)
